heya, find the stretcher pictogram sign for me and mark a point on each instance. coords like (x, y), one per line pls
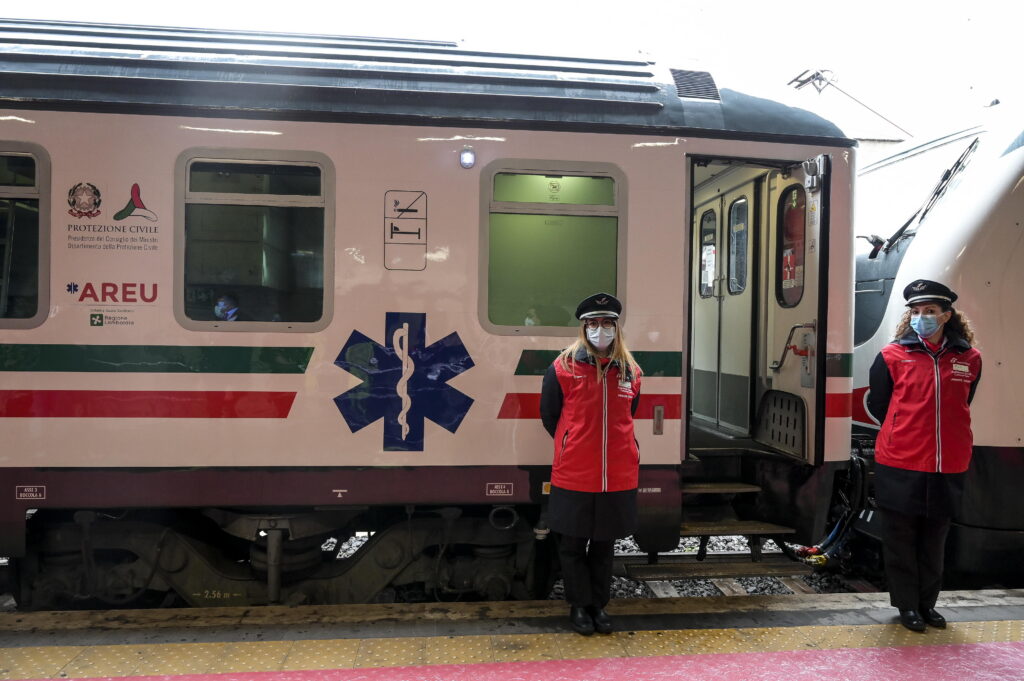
(405, 230)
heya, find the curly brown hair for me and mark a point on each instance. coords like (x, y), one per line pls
(958, 324)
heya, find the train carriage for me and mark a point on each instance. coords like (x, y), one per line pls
(259, 291)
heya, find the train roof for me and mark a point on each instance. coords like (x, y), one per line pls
(239, 74)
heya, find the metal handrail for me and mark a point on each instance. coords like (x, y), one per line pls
(775, 366)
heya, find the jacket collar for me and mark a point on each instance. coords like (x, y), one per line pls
(583, 356)
(911, 341)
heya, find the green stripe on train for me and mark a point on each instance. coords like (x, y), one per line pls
(653, 362)
(155, 359)
(839, 365)
(666, 364)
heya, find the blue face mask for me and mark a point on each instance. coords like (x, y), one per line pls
(925, 325)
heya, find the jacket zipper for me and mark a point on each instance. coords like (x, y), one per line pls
(604, 435)
(938, 408)
(938, 415)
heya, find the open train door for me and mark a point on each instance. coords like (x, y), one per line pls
(724, 296)
(791, 399)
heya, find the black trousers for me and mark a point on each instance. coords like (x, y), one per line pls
(914, 547)
(586, 570)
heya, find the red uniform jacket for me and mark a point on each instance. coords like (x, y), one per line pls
(592, 423)
(923, 401)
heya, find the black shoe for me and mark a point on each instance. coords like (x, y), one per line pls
(933, 618)
(582, 622)
(911, 619)
(602, 622)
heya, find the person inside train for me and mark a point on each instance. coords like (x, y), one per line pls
(922, 385)
(226, 309)
(589, 396)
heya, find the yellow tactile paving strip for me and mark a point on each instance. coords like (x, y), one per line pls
(362, 615)
(74, 662)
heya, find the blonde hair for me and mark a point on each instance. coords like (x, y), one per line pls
(619, 354)
(958, 324)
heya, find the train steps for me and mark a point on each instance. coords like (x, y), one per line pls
(716, 567)
(709, 511)
(719, 519)
(727, 487)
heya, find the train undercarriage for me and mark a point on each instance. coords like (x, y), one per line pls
(101, 558)
(222, 557)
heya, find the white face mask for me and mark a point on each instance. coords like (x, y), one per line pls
(601, 338)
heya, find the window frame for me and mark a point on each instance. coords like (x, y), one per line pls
(183, 196)
(731, 246)
(544, 167)
(41, 192)
(700, 245)
(780, 234)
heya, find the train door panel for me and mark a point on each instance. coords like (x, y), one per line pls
(736, 295)
(705, 319)
(723, 307)
(786, 414)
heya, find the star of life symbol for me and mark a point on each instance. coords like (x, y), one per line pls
(404, 381)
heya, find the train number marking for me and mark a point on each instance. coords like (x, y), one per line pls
(499, 489)
(214, 595)
(30, 492)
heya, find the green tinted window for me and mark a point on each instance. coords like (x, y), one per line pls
(19, 258)
(562, 189)
(254, 178)
(17, 171)
(541, 266)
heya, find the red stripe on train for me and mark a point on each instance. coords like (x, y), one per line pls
(838, 405)
(161, 404)
(527, 406)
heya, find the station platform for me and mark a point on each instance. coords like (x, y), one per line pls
(843, 636)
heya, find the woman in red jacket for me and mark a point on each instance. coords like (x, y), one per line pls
(589, 396)
(922, 385)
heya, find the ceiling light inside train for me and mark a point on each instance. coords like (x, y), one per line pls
(467, 157)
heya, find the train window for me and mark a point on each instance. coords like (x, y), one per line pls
(255, 237)
(17, 171)
(254, 178)
(564, 189)
(552, 239)
(792, 228)
(23, 239)
(738, 246)
(708, 253)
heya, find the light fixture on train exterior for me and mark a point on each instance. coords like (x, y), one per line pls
(467, 157)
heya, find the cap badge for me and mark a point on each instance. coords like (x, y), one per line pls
(919, 287)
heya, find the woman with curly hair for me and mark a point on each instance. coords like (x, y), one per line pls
(922, 385)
